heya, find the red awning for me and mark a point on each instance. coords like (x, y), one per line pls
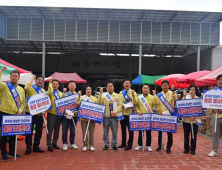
(20, 70)
(66, 77)
(209, 79)
(172, 80)
(189, 78)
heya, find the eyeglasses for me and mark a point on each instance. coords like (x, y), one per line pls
(14, 76)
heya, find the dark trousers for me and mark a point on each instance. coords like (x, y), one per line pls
(53, 124)
(148, 138)
(124, 123)
(4, 140)
(187, 131)
(169, 141)
(68, 124)
(38, 121)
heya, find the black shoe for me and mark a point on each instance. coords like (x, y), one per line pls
(127, 148)
(115, 148)
(192, 152)
(38, 150)
(56, 147)
(50, 149)
(12, 156)
(168, 151)
(121, 146)
(28, 151)
(4, 158)
(158, 149)
(185, 152)
(105, 148)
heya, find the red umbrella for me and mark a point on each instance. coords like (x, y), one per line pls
(172, 80)
(189, 78)
(209, 79)
(66, 77)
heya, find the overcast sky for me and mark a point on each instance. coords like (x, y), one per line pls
(186, 5)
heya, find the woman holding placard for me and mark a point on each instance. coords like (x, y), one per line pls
(84, 122)
(190, 124)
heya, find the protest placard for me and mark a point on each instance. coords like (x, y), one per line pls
(68, 103)
(164, 123)
(189, 107)
(39, 103)
(212, 99)
(139, 122)
(16, 125)
(92, 111)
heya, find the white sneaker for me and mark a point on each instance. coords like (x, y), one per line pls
(149, 148)
(92, 148)
(84, 149)
(64, 147)
(73, 146)
(138, 148)
(212, 154)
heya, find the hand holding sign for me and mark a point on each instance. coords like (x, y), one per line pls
(113, 114)
(161, 113)
(192, 118)
(140, 113)
(19, 112)
(3, 69)
(44, 113)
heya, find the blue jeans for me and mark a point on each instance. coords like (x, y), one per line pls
(68, 124)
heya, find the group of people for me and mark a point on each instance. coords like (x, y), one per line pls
(114, 108)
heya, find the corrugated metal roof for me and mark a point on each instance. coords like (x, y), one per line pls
(109, 14)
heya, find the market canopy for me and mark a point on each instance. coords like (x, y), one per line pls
(189, 78)
(172, 80)
(66, 77)
(25, 75)
(209, 79)
(11, 67)
(144, 79)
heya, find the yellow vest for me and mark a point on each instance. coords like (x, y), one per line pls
(169, 97)
(30, 91)
(139, 106)
(134, 101)
(8, 104)
(103, 100)
(52, 98)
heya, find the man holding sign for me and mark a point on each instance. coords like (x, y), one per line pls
(216, 122)
(144, 105)
(129, 98)
(53, 120)
(113, 107)
(31, 90)
(12, 98)
(165, 103)
(69, 123)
